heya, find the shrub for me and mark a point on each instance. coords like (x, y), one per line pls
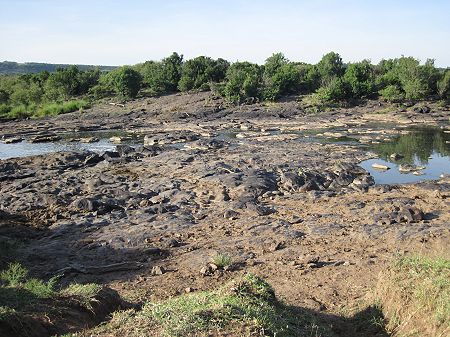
(124, 81)
(198, 72)
(330, 66)
(221, 260)
(162, 77)
(360, 77)
(336, 89)
(243, 80)
(280, 77)
(392, 93)
(443, 86)
(62, 84)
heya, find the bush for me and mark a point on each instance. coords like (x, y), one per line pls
(443, 86)
(360, 77)
(392, 93)
(162, 77)
(198, 72)
(62, 84)
(280, 77)
(124, 81)
(336, 89)
(330, 66)
(243, 80)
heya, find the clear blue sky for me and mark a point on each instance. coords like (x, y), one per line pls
(128, 32)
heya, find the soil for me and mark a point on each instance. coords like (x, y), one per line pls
(300, 214)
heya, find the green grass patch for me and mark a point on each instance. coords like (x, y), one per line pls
(415, 296)
(20, 294)
(244, 307)
(54, 109)
(222, 260)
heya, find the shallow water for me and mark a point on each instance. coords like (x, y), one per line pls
(25, 148)
(427, 147)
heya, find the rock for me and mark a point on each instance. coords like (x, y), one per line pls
(85, 204)
(410, 214)
(45, 138)
(231, 214)
(382, 167)
(89, 140)
(158, 270)
(423, 109)
(276, 246)
(124, 150)
(406, 168)
(208, 270)
(396, 156)
(12, 140)
(119, 139)
(188, 290)
(257, 209)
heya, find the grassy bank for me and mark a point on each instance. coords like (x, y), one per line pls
(243, 307)
(33, 110)
(415, 297)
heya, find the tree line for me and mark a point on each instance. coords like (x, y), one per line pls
(330, 80)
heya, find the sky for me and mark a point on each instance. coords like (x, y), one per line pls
(128, 32)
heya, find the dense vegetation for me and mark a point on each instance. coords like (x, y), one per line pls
(7, 67)
(329, 81)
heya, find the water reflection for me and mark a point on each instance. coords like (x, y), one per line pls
(416, 147)
(429, 147)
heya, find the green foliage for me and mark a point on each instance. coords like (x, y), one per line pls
(124, 81)
(392, 93)
(162, 77)
(54, 109)
(361, 79)
(443, 86)
(14, 275)
(62, 84)
(336, 89)
(415, 81)
(222, 260)
(20, 294)
(280, 77)
(246, 306)
(198, 72)
(330, 67)
(243, 80)
(84, 293)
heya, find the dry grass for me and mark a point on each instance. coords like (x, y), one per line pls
(415, 297)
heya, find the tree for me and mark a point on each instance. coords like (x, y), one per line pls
(330, 66)
(62, 84)
(443, 86)
(361, 79)
(198, 72)
(124, 81)
(243, 80)
(280, 77)
(336, 89)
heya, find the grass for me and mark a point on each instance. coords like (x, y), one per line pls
(49, 109)
(221, 260)
(54, 109)
(415, 296)
(244, 307)
(21, 295)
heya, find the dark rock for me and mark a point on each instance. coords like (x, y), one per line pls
(410, 214)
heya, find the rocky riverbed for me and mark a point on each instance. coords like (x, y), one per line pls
(277, 189)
